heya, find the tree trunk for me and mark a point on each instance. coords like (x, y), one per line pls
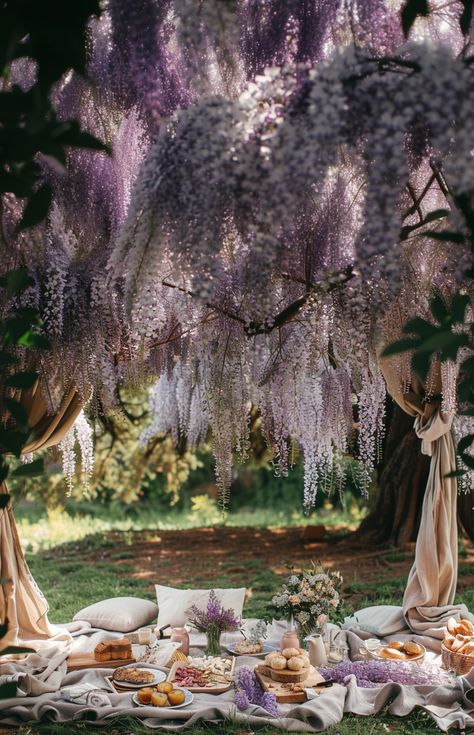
(402, 480)
(395, 518)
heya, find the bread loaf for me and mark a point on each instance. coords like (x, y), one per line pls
(113, 650)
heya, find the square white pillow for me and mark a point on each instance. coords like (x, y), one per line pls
(173, 603)
(122, 614)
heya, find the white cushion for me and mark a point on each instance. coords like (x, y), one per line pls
(122, 614)
(173, 604)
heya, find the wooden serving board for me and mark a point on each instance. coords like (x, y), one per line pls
(282, 690)
(78, 661)
(285, 676)
(217, 689)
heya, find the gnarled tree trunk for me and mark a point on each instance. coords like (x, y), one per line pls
(395, 518)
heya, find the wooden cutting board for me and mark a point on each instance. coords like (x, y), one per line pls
(86, 660)
(283, 690)
(216, 689)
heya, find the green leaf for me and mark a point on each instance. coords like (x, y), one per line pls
(410, 11)
(459, 305)
(420, 363)
(401, 345)
(30, 469)
(17, 411)
(7, 359)
(438, 308)
(12, 441)
(419, 326)
(468, 460)
(466, 17)
(16, 281)
(4, 470)
(22, 380)
(456, 473)
(4, 500)
(465, 442)
(443, 341)
(37, 207)
(8, 690)
(34, 341)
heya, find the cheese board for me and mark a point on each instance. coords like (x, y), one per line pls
(86, 660)
(223, 683)
(288, 692)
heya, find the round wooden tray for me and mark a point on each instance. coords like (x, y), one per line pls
(286, 676)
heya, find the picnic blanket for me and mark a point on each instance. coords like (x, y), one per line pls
(48, 692)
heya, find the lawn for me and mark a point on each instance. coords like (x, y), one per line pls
(111, 562)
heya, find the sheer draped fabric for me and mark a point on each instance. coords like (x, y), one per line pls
(429, 595)
(21, 601)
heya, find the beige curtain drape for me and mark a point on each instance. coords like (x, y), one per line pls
(431, 587)
(21, 601)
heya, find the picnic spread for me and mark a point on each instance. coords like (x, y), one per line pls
(47, 690)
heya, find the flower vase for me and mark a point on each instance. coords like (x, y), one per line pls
(213, 641)
(304, 631)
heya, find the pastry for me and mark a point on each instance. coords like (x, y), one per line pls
(159, 700)
(388, 652)
(412, 648)
(270, 656)
(120, 649)
(290, 652)
(459, 642)
(398, 645)
(465, 627)
(134, 676)
(144, 695)
(278, 663)
(176, 696)
(244, 647)
(468, 648)
(165, 687)
(452, 625)
(296, 663)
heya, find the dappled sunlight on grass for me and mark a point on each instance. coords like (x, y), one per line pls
(57, 526)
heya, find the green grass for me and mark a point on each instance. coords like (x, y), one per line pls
(418, 723)
(42, 529)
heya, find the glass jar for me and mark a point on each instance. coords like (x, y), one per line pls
(213, 638)
(180, 635)
(290, 639)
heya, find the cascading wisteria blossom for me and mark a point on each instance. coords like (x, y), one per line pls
(82, 433)
(257, 233)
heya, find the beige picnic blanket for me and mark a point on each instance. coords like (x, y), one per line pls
(47, 692)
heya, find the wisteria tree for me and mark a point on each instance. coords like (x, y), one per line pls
(275, 209)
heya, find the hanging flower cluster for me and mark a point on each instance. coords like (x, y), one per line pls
(82, 433)
(259, 230)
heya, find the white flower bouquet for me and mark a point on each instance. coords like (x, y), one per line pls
(309, 597)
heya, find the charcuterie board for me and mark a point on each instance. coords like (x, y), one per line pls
(288, 692)
(211, 688)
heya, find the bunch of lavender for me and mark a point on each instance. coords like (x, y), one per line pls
(214, 615)
(248, 691)
(370, 674)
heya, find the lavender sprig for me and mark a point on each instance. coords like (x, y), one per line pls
(249, 691)
(214, 615)
(370, 674)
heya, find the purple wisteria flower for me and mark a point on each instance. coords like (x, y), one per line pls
(249, 691)
(214, 615)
